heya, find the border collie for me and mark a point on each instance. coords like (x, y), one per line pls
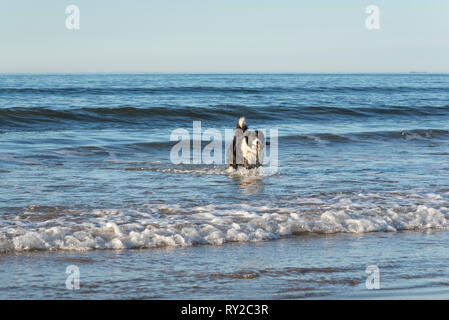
(247, 148)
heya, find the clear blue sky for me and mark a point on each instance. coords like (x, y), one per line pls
(224, 36)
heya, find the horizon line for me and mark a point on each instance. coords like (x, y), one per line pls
(213, 72)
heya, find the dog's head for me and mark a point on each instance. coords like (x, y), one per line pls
(241, 124)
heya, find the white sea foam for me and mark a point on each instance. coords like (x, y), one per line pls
(178, 226)
(219, 170)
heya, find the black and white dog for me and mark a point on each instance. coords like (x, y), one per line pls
(247, 147)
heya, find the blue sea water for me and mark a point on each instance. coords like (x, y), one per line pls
(85, 167)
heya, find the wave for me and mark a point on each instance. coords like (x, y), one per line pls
(74, 91)
(47, 228)
(387, 110)
(417, 134)
(110, 151)
(68, 91)
(30, 117)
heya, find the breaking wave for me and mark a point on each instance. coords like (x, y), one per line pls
(156, 225)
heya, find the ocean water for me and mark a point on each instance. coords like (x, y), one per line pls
(86, 178)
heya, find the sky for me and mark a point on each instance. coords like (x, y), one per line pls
(224, 36)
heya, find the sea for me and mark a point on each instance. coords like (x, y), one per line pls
(92, 205)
